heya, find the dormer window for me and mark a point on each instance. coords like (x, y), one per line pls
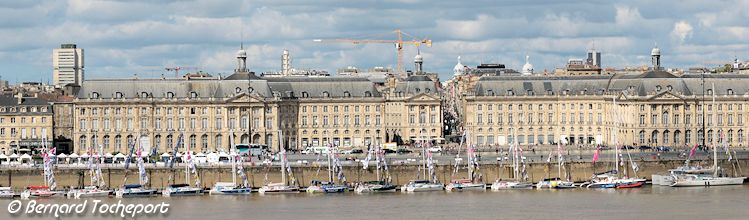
(729, 92)
(325, 94)
(669, 87)
(549, 92)
(237, 90)
(417, 90)
(490, 92)
(427, 90)
(658, 88)
(346, 94)
(709, 92)
(367, 94)
(193, 95)
(95, 95)
(250, 89)
(169, 95)
(118, 95)
(529, 92)
(510, 92)
(305, 95)
(144, 95)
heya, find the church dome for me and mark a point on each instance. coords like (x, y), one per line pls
(527, 68)
(418, 58)
(241, 53)
(655, 52)
(459, 68)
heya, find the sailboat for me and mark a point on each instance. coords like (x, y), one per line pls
(283, 186)
(334, 166)
(135, 190)
(425, 185)
(690, 179)
(185, 189)
(231, 188)
(96, 179)
(556, 182)
(50, 182)
(474, 182)
(519, 172)
(382, 184)
(6, 193)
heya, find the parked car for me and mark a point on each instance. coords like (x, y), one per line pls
(435, 149)
(404, 151)
(389, 151)
(664, 149)
(645, 147)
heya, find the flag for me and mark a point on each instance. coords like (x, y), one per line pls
(131, 145)
(174, 151)
(597, 154)
(691, 152)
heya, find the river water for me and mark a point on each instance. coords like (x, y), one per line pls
(649, 202)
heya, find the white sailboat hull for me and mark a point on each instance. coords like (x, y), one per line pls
(504, 185)
(424, 187)
(709, 181)
(457, 187)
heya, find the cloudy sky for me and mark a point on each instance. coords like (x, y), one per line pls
(122, 38)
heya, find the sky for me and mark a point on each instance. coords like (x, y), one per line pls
(125, 38)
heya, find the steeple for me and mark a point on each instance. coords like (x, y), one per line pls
(419, 62)
(655, 56)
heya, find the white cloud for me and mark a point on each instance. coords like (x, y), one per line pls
(682, 30)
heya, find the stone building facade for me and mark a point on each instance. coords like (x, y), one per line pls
(25, 124)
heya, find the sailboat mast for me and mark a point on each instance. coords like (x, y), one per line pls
(715, 147)
(233, 150)
(559, 160)
(283, 157)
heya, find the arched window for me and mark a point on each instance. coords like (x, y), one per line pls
(238, 90)
(654, 137)
(305, 95)
(709, 92)
(119, 95)
(367, 94)
(346, 94)
(169, 95)
(95, 95)
(642, 137)
(250, 89)
(193, 94)
(729, 92)
(658, 88)
(325, 94)
(666, 136)
(144, 95)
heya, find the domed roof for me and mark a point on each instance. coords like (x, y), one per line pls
(655, 52)
(459, 68)
(527, 68)
(418, 58)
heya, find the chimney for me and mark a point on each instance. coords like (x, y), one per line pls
(19, 97)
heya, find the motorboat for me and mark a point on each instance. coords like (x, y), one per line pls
(87, 192)
(375, 187)
(273, 188)
(38, 192)
(134, 190)
(465, 185)
(555, 183)
(666, 179)
(224, 188)
(503, 185)
(325, 187)
(6, 192)
(423, 186)
(181, 190)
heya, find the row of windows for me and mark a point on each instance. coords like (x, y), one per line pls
(23, 120)
(500, 107)
(25, 109)
(32, 132)
(336, 120)
(167, 110)
(169, 123)
(346, 108)
(719, 107)
(665, 119)
(666, 137)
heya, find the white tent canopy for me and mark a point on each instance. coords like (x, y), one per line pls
(74, 155)
(62, 156)
(13, 156)
(119, 155)
(3, 157)
(108, 155)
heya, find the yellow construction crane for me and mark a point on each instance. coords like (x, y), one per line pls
(399, 42)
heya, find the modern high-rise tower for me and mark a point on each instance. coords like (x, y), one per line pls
(67, 64)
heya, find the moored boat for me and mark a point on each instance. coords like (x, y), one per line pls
(89, 191)
(465, 185)
(423, 186)
(134, 190)
(181, 190)
(6, 192)
(375, 187)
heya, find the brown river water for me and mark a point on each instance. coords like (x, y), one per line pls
(649, 202)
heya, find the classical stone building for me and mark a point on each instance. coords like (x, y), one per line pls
(307, 111)
(654, 108)
(25, 123)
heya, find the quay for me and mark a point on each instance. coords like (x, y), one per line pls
(579, 171)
